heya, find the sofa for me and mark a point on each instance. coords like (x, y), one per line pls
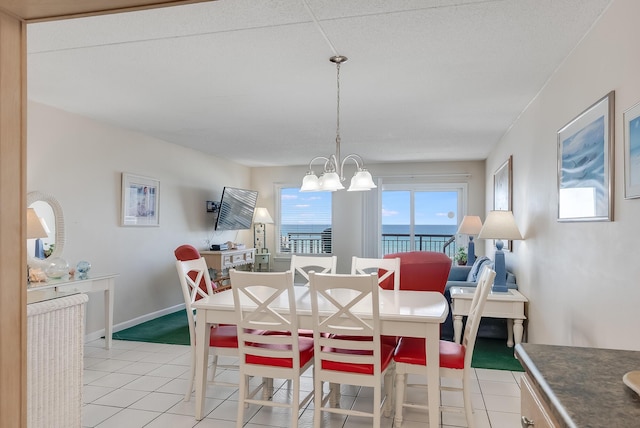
(494, 328)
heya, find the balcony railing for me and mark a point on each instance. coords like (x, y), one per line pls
(320, 243)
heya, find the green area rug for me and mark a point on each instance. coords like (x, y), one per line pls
(173, 329)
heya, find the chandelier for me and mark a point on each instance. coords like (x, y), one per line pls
(333, 171)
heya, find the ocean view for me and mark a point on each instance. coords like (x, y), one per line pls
(389, 229)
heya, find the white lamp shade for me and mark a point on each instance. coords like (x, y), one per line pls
(310, 183)
(500, 225)
(35, 227)
(471, 225)
(330, 181)
(361, 181)
(261, 215)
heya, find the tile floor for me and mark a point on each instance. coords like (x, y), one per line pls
(138, 384)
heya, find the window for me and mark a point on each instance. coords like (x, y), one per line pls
(305, 222)
(420, 218)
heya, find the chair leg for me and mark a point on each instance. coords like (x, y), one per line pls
(388, 392)
(214, 367)
(468, 406)
(317, 400)
(295, 401)
(192, 375)
(242, 395)
(401, 385)
(334, 390)
(377, 399)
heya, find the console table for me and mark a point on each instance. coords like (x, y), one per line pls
(222, 261)
(85, 284)
(509, 305)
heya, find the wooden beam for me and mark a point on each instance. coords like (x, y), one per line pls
(13, 236)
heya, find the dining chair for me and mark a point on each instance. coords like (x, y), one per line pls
(223, 340)
(455, 359)
(266, 301)
(387, 269)
(337, 302)
(302, 265)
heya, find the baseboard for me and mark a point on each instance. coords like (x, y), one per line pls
(95, 335)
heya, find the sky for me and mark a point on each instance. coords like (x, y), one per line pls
(432, 207)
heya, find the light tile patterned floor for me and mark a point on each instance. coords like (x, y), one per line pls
(138, 384)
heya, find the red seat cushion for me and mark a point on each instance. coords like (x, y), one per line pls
(306, 354)
(224, 336)
(385, 340)
(411, 350)
(385, 358)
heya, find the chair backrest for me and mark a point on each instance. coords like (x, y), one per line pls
(189, 252)
(302, 265)
(485, 281)
(386, 269)
(422, 271)
(265, 301)
(335, 298)
(192, 273)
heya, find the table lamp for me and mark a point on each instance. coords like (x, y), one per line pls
(471, 225)
(500, 225)
(36, 229)
(261, 217)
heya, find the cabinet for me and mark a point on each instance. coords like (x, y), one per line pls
(222, 261)
(535, 413)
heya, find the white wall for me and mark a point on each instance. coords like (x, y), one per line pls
(80, 162)
(349, 207)
(581, 278)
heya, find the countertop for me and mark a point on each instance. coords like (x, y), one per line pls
(583, 386)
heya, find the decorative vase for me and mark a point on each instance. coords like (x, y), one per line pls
(83, 267)
(57, 268)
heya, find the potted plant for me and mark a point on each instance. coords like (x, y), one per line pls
(461, 256)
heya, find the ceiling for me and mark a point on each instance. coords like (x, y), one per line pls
(251, 81)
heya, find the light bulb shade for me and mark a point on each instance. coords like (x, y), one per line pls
(330, 181)
(35, 228)
(310, 183)
(361, 181)
(471, 225)
(500, 225)
(261, 215)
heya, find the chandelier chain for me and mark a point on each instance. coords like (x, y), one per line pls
(338, 103)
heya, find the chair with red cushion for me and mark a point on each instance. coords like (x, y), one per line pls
(341, 355)
(223, 341)
(266, 301)
(421, 270)
(455, 359)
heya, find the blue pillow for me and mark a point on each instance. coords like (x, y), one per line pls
(477, 268)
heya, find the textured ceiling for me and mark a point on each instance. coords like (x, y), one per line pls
(251, 81)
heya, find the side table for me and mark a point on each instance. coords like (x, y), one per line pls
(509, 305)
(262, 262)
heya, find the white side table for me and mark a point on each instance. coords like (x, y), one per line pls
(263, 262)
(509, 305)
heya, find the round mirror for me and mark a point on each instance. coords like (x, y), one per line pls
(48, 208)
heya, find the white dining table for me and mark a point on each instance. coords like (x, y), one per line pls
(402, 313)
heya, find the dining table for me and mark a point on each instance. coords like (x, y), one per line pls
(402, 313)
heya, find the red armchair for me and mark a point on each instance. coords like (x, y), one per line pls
(421, 270)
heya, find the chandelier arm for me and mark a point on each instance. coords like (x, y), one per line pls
(354, 157)
(324, 158)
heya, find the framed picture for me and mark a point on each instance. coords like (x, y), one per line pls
(140, 201)
(585, 164)
(502, 179)
(632, 152)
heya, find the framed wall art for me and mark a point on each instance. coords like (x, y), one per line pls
(140, 201)
(632, 152)
(585, 164)
(502, 190)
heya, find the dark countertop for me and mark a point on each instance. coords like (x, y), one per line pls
(583, 386)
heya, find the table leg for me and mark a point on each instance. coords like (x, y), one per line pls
(510, 333)
(108, 312)
(202, 356)
(433, 373)
(457, 328)
(518, 330)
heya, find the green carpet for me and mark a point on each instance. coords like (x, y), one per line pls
(173, 329)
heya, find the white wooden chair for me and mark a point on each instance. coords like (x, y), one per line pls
(223, 339)
(265, 301)
(455, 359)
(341, 356)
(302, 265)
(360, 265)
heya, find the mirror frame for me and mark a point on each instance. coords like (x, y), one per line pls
(57, 213)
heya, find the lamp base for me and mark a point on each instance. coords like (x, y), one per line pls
(499, 288)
